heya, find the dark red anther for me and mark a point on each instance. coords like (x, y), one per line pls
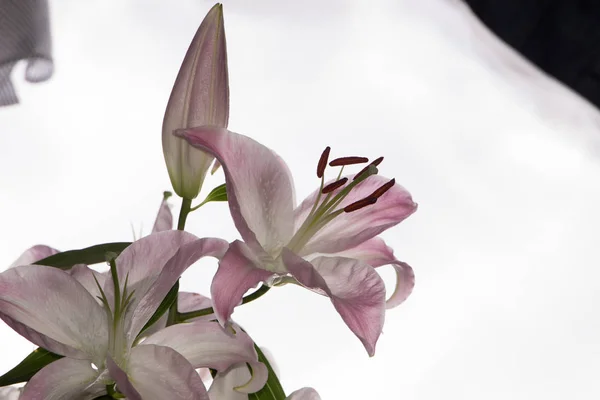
(384, 188)
(323, 162)
(375, 163)
(338, 162)
(334, 185)
(357, 205)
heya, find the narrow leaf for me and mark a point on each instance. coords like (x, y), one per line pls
(89, 255)
(217, 194)
(167, 302)
(27, 368)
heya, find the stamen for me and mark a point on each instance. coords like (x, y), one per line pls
(348, 161)
(384, 188)
(323, 162)
(334, 185)
(357, 205)
(374, 163)
(377, 161)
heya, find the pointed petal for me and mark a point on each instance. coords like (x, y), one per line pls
(236, 382)
(259, 190)
(52, 303)
(355, 289)
(164, 218)
(304, 394)
(376, 253)
(200, 97)
(206, 344)
(33, 254)
(158, 373)
(85, 275)
(348, 230)
(66, 378)
(150, 289)
(236, 274)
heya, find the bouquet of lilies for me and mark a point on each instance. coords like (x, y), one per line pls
(126, 331)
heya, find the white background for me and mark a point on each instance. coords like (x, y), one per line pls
(501, 159)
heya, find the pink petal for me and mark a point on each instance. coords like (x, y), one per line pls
(33, 254)
(236, 274)
(85, 275)
(304, 394)
(348, 230)
(154, 264)
(66, 378)
(10, 393)
(259, 190)
(37, 300)
(355, 289)
(200, 97)
(376, 253)
(158, 373)
(164, 218)
(186, 302)
(206, 344)
(194, 301)
(237, 382)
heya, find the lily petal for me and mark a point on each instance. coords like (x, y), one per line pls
(206, 344)
(186, 302)
(158, 373)
(304, 394)
(66, 378)
(348, 230)
(36, 300)
(236, 274)
(85, 275)
(10, 393)
(164, 218)
(200, 96)
(355, 289)
(187, 255)
(236, 382)
(33, 254)
(376, 253)
(259, 189)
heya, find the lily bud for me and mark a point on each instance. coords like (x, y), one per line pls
(200, 97)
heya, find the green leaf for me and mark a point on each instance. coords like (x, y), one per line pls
(89, 255)
(272, 389)
(217, 194)
(164, 306)
(27, 368)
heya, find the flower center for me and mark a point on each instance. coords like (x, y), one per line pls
(117, 343)
(326, 205)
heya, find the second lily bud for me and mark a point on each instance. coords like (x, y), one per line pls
(200, 97)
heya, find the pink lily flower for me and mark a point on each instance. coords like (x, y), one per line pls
(200, 96)
(99, 340)
(324, 244)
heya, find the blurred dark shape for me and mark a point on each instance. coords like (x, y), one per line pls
(562, 37)
(24, 35)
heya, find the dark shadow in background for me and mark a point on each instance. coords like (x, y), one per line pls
(562, 37)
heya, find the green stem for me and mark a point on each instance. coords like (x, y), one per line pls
(186, 205)
(182, 317)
